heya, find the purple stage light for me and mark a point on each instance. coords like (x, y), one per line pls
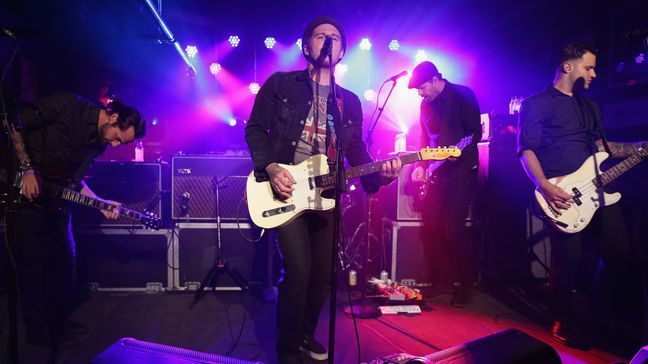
(369, 95)
(231, 122)
(299, 43)
(640, 58)
(191, 50)
(365, 44)
(234, 40)
(254, 88)
(270, 42)
(215, 68)
(393, 45)
(154, 121)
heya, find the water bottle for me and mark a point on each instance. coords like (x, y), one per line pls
(139, 151)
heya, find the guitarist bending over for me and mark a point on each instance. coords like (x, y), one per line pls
(292, 119)
(558, 130)
(55, 140)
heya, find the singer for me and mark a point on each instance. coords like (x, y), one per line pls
(449, 112)
(292, 119)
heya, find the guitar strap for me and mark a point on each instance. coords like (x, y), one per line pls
(331, 151)
(598, 124)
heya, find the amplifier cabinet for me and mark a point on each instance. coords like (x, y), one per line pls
(136, 185)
(196, 249)
(199, 181)
(111, 259)
(404, 249)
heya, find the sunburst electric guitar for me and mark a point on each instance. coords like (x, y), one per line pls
(586, 187)
(313, 177)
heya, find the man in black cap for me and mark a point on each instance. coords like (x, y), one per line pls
(449, 113)
(292, 119)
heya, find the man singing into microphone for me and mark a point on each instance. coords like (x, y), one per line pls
(294, 117)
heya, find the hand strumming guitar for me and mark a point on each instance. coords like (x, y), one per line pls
(281, 180)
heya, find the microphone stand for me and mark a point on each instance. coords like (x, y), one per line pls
(339, 181)
(10, 219)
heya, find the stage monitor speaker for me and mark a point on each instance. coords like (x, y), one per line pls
(136, 185)
(505, 347)
(129, 350)
(194, 183)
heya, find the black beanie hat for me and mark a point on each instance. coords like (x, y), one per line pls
(319, 21)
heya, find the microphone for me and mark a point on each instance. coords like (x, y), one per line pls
(326, 50)
(396, 77)
(7, 33)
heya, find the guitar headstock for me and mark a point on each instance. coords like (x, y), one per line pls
(151, 221)
(439, 153)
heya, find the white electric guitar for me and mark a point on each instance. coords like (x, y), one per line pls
(313, 177)
(586, 187)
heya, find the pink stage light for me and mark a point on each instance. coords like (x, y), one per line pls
(254, 88)
(215, 68)
(394, 45)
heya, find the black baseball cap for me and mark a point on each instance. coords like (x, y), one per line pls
(423, 73)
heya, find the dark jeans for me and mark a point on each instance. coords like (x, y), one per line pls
(445, 237)
(45, 258)
(608, 232)
(306, 248)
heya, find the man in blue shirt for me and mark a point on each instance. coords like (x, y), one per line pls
(559, 129)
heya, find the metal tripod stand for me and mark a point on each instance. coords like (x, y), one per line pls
(220, 264)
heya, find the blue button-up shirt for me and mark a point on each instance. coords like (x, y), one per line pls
(561, 130)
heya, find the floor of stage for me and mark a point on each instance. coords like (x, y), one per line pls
(214, 323)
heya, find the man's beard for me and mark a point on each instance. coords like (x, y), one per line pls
(103, 130)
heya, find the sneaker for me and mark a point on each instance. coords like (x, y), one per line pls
(314, 349)
(461, 297)
(565, 334)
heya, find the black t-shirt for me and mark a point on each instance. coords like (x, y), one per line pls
(61, 134)
(561, 130)
(451, 116)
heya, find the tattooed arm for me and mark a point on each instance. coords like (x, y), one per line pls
(30, 182)
(621, 150)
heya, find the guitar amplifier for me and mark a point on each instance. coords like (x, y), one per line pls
(198, 181)
(196, 248)
(136, 185)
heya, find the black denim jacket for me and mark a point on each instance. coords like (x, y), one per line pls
(278, 117)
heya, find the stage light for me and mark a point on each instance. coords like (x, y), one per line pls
(254, 88)
(299, 44)
(365, 44)
(341, 69)
(369, 94)
(154, 121)
(191, 50)
(270, 42)
(215, 68)
(234, 40)
(640, 58)
(393, 45)
(420, 56)
(231, 122)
